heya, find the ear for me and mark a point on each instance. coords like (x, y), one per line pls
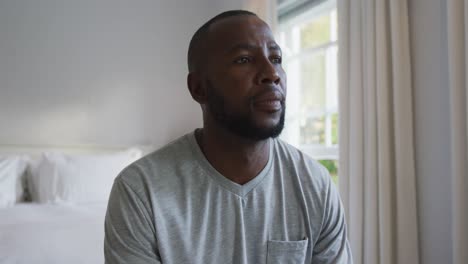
(196, 88)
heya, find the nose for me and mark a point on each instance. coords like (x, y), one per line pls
(268, 73)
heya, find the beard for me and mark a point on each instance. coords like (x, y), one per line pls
(240, 124)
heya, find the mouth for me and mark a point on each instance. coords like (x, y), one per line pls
(271, 101)
(268, 105)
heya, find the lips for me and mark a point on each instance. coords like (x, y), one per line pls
(269, 101)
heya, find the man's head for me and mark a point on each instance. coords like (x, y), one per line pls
(235, 74)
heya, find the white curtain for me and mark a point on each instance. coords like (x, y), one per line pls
(377, 167)
(457, 15)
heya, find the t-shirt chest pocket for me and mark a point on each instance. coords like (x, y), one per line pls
(286, 252)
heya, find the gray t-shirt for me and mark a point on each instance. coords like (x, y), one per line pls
(173, 207)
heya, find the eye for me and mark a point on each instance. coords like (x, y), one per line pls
(243, 60)
(277, 60)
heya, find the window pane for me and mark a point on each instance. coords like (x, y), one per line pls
(313, 83)
(332, 167)
(310, 60)
(313, 131)
(316, 32)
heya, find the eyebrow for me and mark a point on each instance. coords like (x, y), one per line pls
(246, 46)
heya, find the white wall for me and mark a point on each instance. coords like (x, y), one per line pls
(105, 72)
(432, 128)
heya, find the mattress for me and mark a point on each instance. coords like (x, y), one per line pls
(33, 233)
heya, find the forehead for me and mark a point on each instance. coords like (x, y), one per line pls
(239, 30)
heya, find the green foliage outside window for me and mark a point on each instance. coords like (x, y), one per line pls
(334, 129)
(332, 167)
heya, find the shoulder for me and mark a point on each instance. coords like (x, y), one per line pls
(157, 167)
(307, 175)
(297, 161)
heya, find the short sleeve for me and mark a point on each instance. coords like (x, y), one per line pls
(332, 245)
(129, 230)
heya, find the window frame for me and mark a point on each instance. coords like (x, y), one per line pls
(325, 151)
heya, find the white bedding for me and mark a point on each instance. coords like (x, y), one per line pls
(32, 233)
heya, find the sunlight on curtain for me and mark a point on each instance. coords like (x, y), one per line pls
(377, 168)
(457, 15)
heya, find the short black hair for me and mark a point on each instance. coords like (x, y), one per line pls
(196, 43)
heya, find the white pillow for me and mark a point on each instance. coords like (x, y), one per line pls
(75, 179)
(12, 169)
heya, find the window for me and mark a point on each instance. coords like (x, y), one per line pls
(308, 38)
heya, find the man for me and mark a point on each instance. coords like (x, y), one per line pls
(229, 192)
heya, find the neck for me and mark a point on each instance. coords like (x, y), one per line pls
(236, 158)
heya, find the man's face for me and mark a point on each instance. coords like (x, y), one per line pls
(245, 82)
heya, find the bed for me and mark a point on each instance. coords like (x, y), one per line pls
(45, 233)
(53, 202)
